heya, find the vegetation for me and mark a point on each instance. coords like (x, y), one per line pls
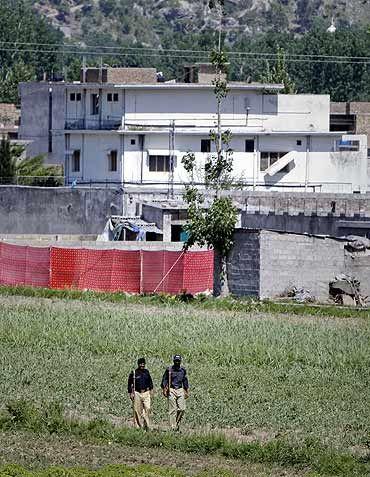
(28, 171)
(30, 46)
(20, 61)
(109, 471)
(297, 378)
(324, 461)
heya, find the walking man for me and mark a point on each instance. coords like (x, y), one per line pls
(140, 389)
(175, 387)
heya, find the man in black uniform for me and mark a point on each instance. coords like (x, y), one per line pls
(175, 387)
(140, 388)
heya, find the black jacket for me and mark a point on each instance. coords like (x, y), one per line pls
(177, 377)
(143, 381)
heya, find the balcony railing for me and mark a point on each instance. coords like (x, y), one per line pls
(94, 124)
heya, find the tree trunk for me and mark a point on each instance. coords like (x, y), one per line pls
(220, 278)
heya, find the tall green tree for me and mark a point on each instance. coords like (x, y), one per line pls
(279, 73)
(212, 215)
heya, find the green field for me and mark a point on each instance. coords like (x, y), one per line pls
(255, 376)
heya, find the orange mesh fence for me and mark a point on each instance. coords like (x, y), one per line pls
(100, 270)
(131, 271)
(198, 271)
(162, 272)
(107, 270)
(23, 265)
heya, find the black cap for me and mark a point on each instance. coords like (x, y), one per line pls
(177, 357)
(141, 361)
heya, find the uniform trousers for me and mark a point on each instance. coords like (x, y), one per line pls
(141, 404)
(176, 406)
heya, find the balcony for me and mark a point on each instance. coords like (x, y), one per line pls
(106, 124)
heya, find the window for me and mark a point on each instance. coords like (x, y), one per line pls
(269, 158)
(159, 163)
(299, 142)
(133, 142)
(344, 145)
(205, 145)
(249, 145)
(75, 96)
(76, 156)
(112, 97)
(94, 104)
(112, 161)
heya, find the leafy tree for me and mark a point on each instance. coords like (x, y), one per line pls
(7, 162)
(32, 171)
(279, 73)
(213, 223)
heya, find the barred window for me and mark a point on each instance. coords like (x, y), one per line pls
(159, 163)
(269, 158)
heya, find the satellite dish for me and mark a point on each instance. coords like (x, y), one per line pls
(332, 28)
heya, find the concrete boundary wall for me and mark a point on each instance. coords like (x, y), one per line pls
(63, 210)
(267, 263)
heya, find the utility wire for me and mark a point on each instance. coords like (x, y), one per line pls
(271, 56)
(93, 49)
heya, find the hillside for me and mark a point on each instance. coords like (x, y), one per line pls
(148, 21)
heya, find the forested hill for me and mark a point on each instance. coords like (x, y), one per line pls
(148, 21)
(51, 37)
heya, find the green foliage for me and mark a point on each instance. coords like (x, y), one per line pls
(32, 171)
(279, 73)
(310, 453)
(20, 23)
(303, 376)
(7, 162)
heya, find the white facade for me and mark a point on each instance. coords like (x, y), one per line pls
(122, 133)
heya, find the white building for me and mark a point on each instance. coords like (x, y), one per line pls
(131, 128)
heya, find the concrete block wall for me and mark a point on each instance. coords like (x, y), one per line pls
(358, 265)
(266, 264)
(244, 264)
(288, 260)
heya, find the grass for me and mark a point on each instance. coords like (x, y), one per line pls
(309, 454)
(267, 387)
(200, 301)
(262, 374)
(108, 471)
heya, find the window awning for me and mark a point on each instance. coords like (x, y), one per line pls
(280, 163)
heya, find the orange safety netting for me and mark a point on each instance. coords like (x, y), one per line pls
(23, 265)
(136, 271)
(100, 270)
(132, 271)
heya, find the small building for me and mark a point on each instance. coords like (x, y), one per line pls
(122, 126)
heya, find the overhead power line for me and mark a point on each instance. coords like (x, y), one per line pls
(122, 50)
(164, 54)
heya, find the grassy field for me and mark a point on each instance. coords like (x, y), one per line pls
(256, 376)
